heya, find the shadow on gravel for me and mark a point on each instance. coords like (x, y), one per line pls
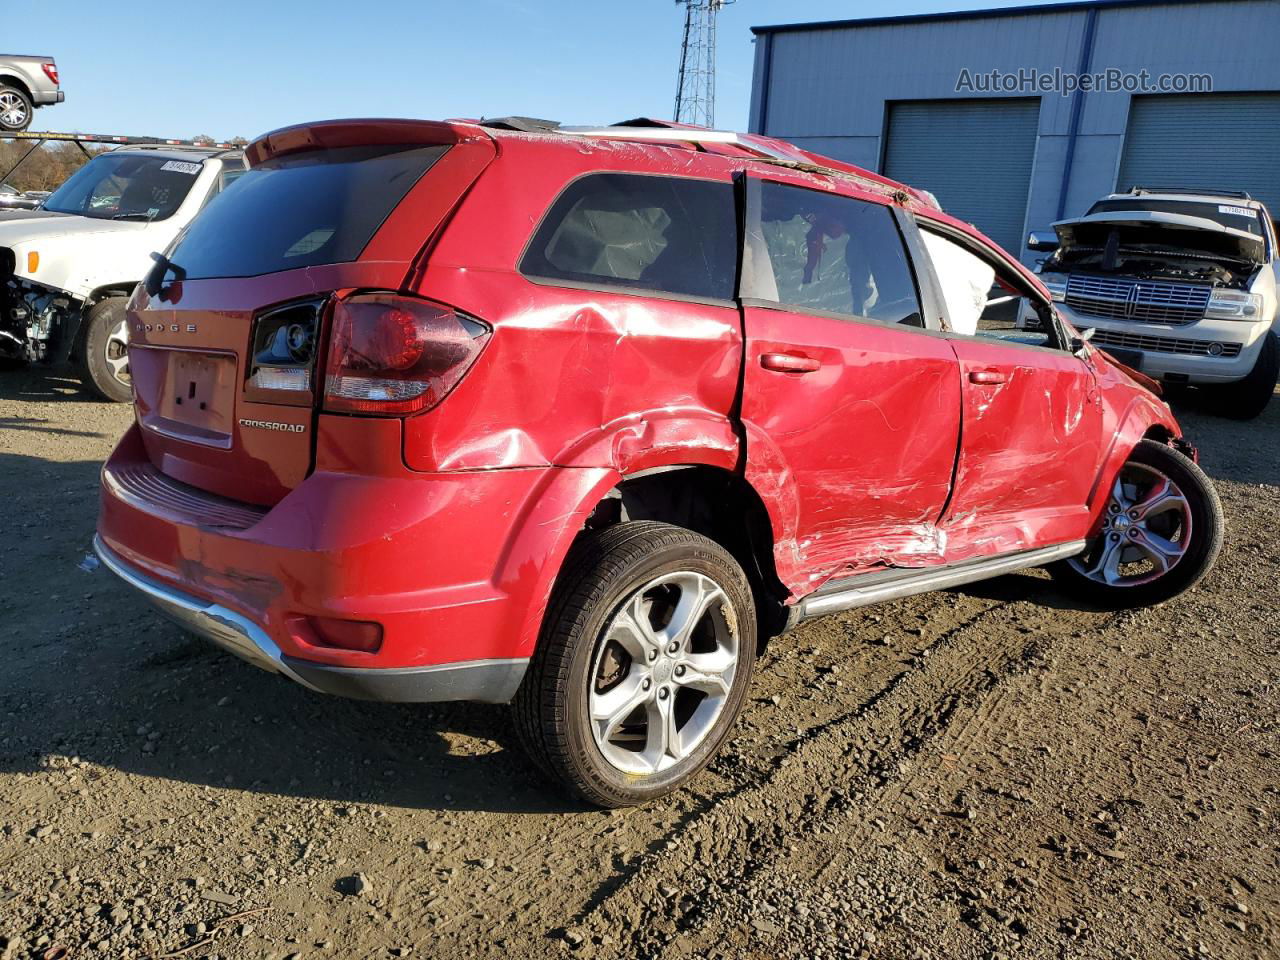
(38, 383)
(1030, 586)
(91, 671)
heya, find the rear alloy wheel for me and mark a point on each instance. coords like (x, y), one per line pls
(1160, 534)
(104, 361)
(643, 664)
(15, 109)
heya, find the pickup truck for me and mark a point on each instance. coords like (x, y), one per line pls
(26, 82)
(68, 268)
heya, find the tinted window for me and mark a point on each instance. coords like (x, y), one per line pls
(983, 300)
(823, 252)
(298, 211)
(118, 186)
(654, 233)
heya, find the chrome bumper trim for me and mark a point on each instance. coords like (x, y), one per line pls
(226, 628)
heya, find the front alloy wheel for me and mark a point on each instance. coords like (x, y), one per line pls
(1145, 531)
(1159, 535)
(643, 663)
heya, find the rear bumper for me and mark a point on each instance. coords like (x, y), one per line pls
(494, 681)
(43, 98)
(430, 557)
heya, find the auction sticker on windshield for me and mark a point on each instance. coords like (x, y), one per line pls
(182, 166)
(1237, 211)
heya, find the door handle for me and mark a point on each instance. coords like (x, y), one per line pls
(789, 363)
(986, 376)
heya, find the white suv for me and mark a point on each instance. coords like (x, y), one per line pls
(67, 269)
(1178, 284)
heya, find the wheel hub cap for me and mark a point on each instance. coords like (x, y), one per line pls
(1147, 530)
(676, 638)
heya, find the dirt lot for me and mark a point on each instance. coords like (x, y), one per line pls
(987, 772)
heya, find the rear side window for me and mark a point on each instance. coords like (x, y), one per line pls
(299, 211)
(829, 254)
(664, 234)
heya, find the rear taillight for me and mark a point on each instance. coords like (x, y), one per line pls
(395, 355)
(51, 71)
(283, 353)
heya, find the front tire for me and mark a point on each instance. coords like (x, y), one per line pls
(104, 359)
(15, 109)
(1247, 398)
(642, 666)
(1161, 533)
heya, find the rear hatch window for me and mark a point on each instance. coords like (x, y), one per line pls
(299, 211)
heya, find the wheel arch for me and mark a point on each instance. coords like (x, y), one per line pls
(705, 497)
(13, 80)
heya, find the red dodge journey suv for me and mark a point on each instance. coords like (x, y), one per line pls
(574, 419)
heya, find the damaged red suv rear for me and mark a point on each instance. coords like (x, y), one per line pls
(576, 418)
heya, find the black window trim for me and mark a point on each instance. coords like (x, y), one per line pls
(647, 293)
(924, 294)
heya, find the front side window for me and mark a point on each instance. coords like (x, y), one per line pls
(117, 186)
(664, 234)
(830, 254)
(986, 300)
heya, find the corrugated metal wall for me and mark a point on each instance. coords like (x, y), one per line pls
(1222, 141)
(975, 155)
(829, 88)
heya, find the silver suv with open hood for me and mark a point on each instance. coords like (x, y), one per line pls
(1178, 284)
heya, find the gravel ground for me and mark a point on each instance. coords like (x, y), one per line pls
(985, 772)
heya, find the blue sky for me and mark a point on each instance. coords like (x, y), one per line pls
(241, 68)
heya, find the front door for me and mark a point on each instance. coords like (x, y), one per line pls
(850, 406)
(1031, 419)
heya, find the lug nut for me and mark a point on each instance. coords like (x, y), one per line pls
(1115, 508)
(1133, 514)
(647, 683)
(674, 648)
(653, 655)
(680, 671)
(663, 693)
(1115, 537)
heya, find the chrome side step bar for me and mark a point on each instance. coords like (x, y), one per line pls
(869, 588)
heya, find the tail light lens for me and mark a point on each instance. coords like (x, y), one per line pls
(51, 71)
(395, 355)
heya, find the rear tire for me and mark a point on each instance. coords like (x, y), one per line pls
(642, 666)
(1247, 398)
(15, 109)
(1162, 532)
(104, 359)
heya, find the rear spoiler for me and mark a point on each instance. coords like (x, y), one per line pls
(333, 134)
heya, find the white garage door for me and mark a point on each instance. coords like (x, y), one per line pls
(975, 155)
(1208, 141)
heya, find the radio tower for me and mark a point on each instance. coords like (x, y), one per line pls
(696, 89)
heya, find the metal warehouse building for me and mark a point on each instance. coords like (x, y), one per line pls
(882, 93)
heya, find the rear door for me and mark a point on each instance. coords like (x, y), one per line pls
(226, 348)
(1031, 427)
(850, 405)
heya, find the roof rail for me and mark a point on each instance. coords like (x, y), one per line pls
(1193, 191)
(111, 138)
(695, 136)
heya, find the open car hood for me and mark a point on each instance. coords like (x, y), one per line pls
(1093, 229)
